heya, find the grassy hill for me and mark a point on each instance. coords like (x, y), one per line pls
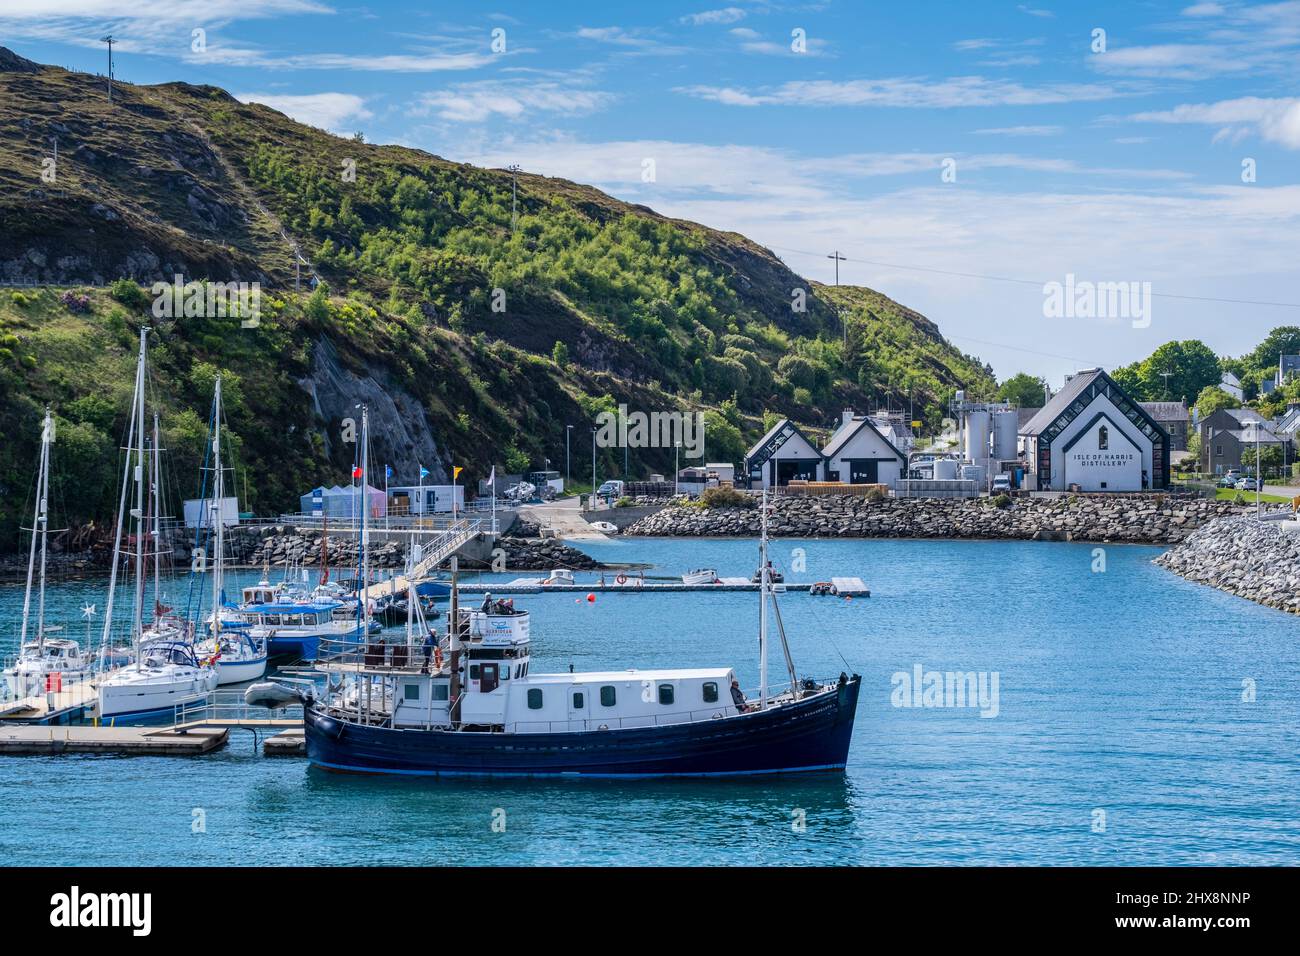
(473, 339)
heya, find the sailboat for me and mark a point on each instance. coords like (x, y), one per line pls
(45, 661)
(165, 673)
(236, 653)
(481, 711)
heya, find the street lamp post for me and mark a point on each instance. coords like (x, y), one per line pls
(591, 503)
(568, 430)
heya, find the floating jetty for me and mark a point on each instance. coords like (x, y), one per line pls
(72, 703)
(143, 741)
(844, 587)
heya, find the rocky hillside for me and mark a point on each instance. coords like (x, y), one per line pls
(475, 337)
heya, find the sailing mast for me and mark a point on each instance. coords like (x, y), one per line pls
(40, 527)
(762, 611)
(363, 593)
(156, 506)
(218, 524)
(121, 503)
(138, 512)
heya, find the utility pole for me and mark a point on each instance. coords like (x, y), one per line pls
(568, 430)
(110, 41)
(514, 214)
(838, 259)
(1165, 375)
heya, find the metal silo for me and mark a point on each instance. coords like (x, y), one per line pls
(1006, 424)
(976, 436)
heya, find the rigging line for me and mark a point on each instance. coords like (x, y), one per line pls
(1034, 282)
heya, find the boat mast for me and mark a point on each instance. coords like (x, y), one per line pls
(363, 593)
(218, 525)
(138, 512)
(121, 503)
(40, 526)
(156, 497)
(762, 611)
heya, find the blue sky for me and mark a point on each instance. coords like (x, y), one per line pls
(1115, 164)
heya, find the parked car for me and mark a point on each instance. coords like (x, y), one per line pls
(1230, 479)
(1247, 484)
(1001, 483)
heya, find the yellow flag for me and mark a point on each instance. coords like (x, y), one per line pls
(455, 472)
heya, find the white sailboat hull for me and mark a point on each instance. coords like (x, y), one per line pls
(237, 672)
(142, 693)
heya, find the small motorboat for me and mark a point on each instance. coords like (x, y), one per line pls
(700, 576)
(559, 576)
(773, 575)
(605, 527)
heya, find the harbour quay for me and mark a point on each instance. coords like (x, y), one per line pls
(1141, 518)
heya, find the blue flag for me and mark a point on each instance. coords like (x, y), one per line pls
(424, 472)
(388, 472)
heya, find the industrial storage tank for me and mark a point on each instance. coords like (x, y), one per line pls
(977, 436)
(973, 473)
(945, 469)
(1006, 425)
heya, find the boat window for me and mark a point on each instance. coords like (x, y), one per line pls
(505, 672)
(710, 692)
(473, 672)
(608, 696)
(534, 699)
(579, 700)
(412, 691)
(440, 692)
(665, 693)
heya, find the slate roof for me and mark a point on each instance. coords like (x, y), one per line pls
(1060, 402)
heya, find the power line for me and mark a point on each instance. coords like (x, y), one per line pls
(1032, 282)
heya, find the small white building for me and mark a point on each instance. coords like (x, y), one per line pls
(424, 499)
(861, 452)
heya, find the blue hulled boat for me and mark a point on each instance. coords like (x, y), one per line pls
(468, 704)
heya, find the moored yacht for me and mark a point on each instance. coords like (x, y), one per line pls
(479, 709)
(45, 661)
(165, 673)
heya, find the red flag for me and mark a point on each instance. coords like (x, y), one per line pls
(356, 472)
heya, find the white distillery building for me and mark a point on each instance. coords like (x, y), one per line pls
(782, 455)
(1093, 435)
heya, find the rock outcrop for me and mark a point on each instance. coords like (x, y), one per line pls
(1146, 518)
(1253, 559)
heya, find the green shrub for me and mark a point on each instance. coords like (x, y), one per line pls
(1001, 501)
(129, 293)
(19, 299)
(725, 498)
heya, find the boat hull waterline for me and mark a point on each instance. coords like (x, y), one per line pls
(812, 734)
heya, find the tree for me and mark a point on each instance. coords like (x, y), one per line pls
(560, 354)
(1211, 399)
(1179, 371)
(1023, 390)
(1284, 340)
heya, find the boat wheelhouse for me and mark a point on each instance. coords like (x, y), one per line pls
(296, 628)
(52, 660)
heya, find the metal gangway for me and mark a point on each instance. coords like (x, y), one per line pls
(432, 553)
(224, 709)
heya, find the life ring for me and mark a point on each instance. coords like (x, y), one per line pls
(621, 579)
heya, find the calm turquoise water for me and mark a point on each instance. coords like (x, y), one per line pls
(1119, 691)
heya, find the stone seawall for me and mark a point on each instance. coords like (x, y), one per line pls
(1249, 558)
(1147, 519)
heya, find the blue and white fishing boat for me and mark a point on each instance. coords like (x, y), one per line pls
(482, 711)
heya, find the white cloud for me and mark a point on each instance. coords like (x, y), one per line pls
(1187, 61)
(638, 41)
(915, 92)
(476, 102)
(1204, 10)
(330, 111)
(1046, 14)
(1274, 120)
(724, 15)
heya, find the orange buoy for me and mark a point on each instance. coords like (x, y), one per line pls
(591, 599)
